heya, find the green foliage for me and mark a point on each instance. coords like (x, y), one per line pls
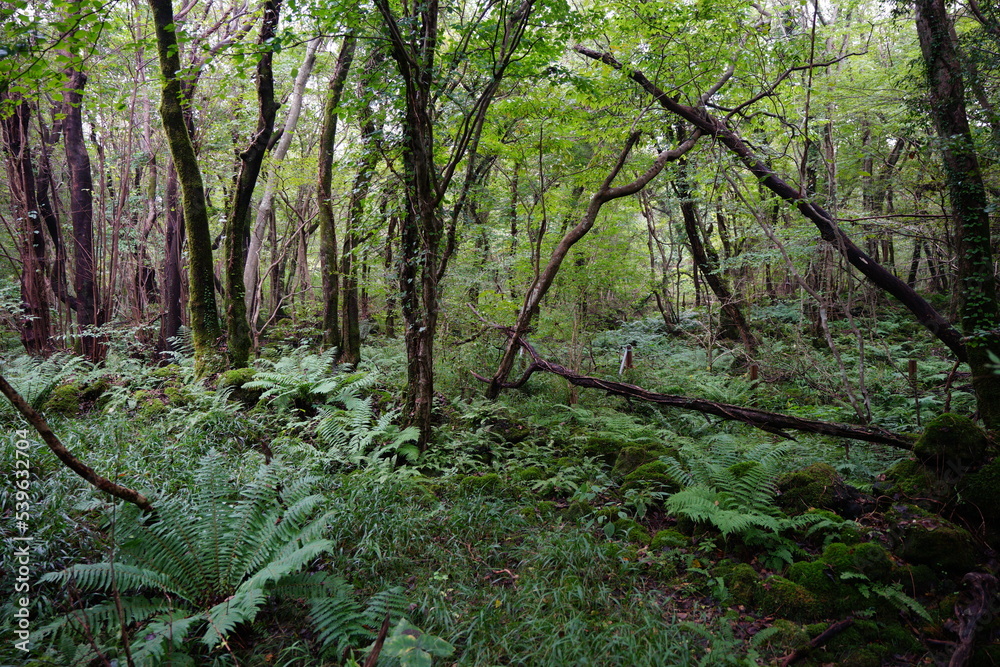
(734, 492)
(414, 648)
(301, 378)
(214, 555)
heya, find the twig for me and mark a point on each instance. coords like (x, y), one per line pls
(817, 641)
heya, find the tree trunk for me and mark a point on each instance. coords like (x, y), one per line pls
(34, 324)
(81, 207)
(205, 329)
(173, 242)
(541, 284)
(977, 295)
(351, 330)
(324, 195)
(238, 224)
(251, 272)
(427, 244)
(707, 261)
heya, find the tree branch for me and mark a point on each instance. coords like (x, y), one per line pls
(64, 455)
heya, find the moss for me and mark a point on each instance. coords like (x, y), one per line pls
(577, 510)
(168, 372)
(979, 491)
(669, 539)
(911, 479)
(529, 474)
(488, 484)
(94, 390)
(651, 475)
(860, 657)
(567, 462)
(789, 636)
(741, 581)
(808, 488)
(867, 558)
(234, 380)
(846, 531)
(64, 400)
(824, 577)
(151, 407)
(938, 543)
(603, 446)
(951, 437)
(180, 396)
(631, 531)
(787, 599)
(916, 580)
(629, 460)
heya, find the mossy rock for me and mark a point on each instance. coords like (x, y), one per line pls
(64, 400)
(980, 492)
(781, 597)
(577, 510)
(913, 480)
(94, 390)
(652, 476)
(789, 636)
(489, 484)
(669, 539)
(916, 580)
(630, 530)
(923, 538)
(847, 532)
(151, 408)
(179, 396)
(742, 581)
(168, 372)
(944, 547)
(235, 379)
(630, 458)
(951, 438)
(529, 474)
(509, 431)
(605, 447)
(819, 486)
(867, 558)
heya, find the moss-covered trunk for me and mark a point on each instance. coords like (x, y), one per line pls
(978, 300)
(205, 329)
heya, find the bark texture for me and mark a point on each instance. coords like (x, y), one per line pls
(34, 324)
(206, 331)
(238, 224)
(977, 293)
(324, 194)
(81, 208)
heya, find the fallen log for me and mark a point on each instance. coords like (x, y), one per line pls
(772, 422)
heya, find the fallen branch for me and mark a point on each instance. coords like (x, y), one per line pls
(64, 455)
(973, 604)
(772, 422)
(816, 642)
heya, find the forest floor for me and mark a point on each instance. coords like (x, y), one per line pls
(531, 532)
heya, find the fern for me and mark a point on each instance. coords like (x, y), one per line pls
(299, 378)
(734, 492)
(217, 554)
